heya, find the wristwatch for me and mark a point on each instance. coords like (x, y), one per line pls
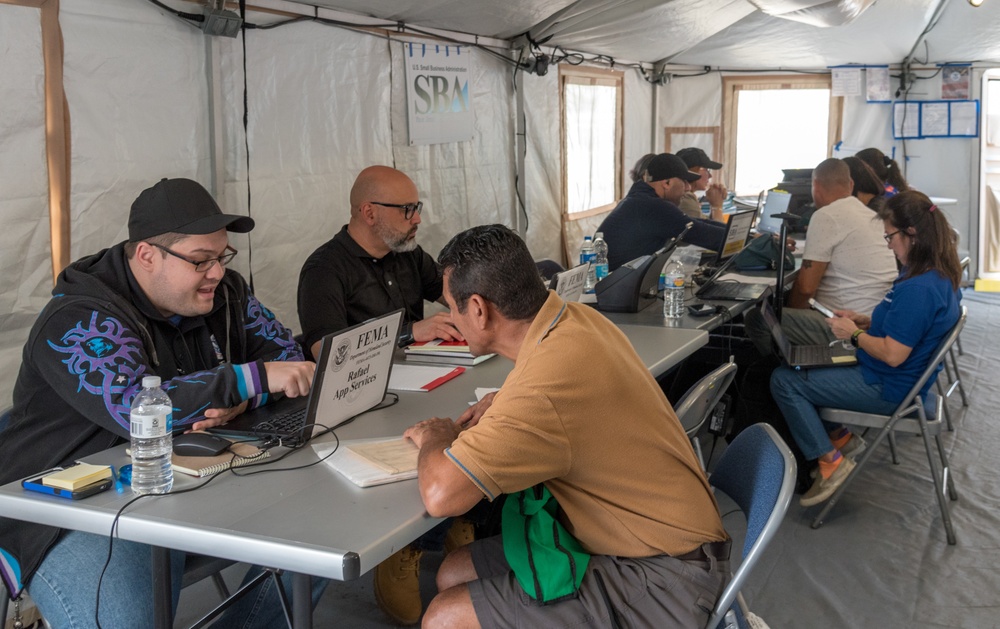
(854, 337)
(406, 335)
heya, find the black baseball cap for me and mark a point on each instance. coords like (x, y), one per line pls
(695, 157)
(667, 166)
(180, 206)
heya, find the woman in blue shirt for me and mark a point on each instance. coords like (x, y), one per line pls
(894, 344)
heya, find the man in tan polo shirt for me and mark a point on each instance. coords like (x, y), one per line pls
(581, 416)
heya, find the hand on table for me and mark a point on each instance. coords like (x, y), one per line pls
(433, 430)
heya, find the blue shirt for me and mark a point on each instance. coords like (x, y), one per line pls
(643, 222)
(917, 312)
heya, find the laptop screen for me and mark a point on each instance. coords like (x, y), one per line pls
(352, 372)
(737, 234)
(776, 203)
(568, 284)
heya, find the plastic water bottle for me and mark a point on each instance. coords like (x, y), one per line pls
(600, 257)
(706, 210)
(587, 257)
(151, 422)
(673, 294)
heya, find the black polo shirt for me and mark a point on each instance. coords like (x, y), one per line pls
(342, 285)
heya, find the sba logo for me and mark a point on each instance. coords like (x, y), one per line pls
(436, 96)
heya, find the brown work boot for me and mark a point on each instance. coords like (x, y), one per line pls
(462, 532)
(397, 586)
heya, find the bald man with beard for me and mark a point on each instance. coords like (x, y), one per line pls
(373, 266)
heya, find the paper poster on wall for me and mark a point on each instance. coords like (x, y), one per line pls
(906, 120)
(877, 84)
(955, 82)
(438, 103)
(964, 118)
(934, 120)
(846, 81)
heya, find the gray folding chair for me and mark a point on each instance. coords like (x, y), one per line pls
(757, 471)
(700, 400)
(954, 377)
(909, 417)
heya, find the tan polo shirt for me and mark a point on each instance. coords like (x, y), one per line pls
(581, 413)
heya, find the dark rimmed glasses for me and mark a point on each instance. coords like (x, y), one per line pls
(888, 237)
(202, 266)
(409, 209)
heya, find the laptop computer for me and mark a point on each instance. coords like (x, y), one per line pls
(352, 374)
(776, 203)
(805, 356)
(568, 284)
(737, 235)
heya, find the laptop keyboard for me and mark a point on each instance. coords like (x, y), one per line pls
(811, 354)
(727, 290)
(288, 422)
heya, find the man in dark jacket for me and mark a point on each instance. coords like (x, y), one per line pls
(648, 216)
(162, 304)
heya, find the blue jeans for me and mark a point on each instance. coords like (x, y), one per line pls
(65, 587)
(799, 393)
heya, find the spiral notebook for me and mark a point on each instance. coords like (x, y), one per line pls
(238, 455)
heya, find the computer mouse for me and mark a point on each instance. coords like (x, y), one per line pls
(200, 444)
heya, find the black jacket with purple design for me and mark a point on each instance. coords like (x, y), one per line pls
(85, 359)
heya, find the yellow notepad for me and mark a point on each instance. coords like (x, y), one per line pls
(80, 475)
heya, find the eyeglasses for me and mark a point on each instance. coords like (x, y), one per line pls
(409, 209)
(888, 237)
(202, 266)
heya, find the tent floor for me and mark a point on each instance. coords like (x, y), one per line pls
(881, 559)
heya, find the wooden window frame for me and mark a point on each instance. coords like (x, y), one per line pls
(583, 75)
(731, 87)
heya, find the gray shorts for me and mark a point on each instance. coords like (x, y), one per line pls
(654, 592)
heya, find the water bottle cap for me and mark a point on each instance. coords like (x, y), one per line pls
(599, 235)
(586, 238)
(151, 382)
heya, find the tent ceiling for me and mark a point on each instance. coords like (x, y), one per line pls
(745, 34)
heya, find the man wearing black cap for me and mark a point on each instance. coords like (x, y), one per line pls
(648, 216)
(162, 304)
(699, 163)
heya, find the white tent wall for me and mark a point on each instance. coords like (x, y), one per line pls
(25, 266)
(136, 89)
(324, 104)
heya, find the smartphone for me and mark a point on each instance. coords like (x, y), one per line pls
(701, 310)
(821, 308)
(35, 484)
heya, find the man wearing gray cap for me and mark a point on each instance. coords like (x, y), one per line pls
(648, 216)
(161, 303)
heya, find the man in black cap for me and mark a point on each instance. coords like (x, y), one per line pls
(648, 216)
(699, 163)
(161, 303)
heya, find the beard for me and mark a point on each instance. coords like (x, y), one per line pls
(399, 242)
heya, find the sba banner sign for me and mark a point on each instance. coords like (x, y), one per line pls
(438, 106)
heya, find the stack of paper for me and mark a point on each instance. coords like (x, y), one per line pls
(370, 462)
(447, 352)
